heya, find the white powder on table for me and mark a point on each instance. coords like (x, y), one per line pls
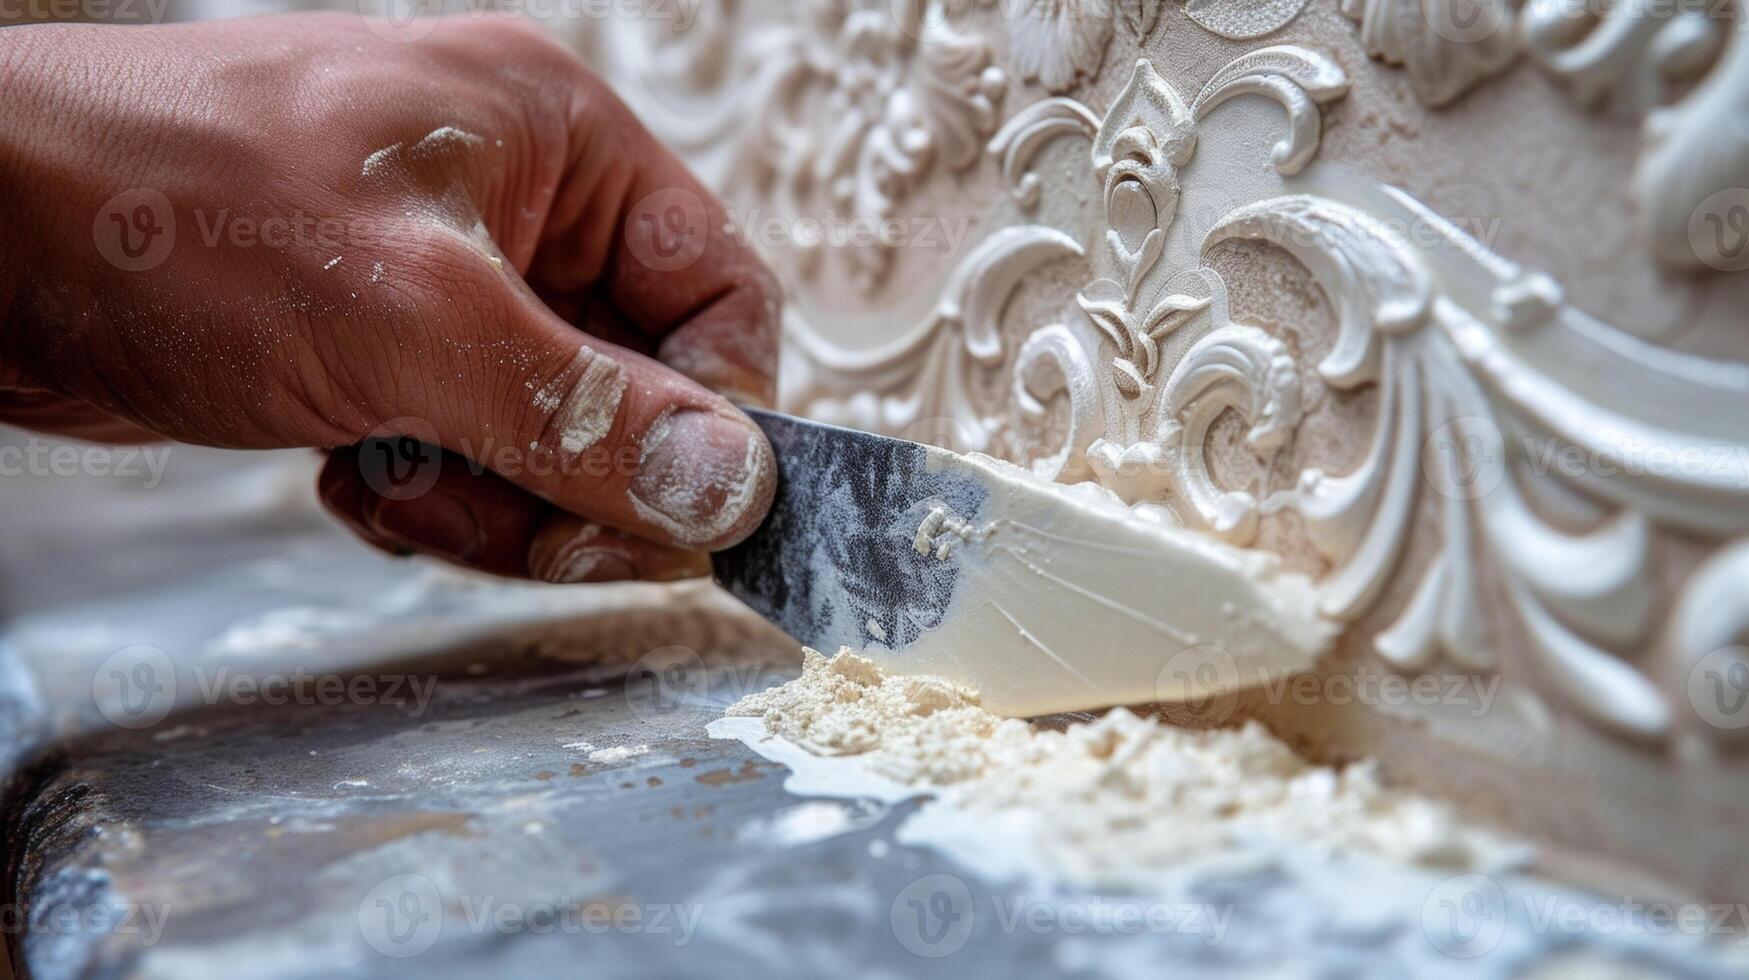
(618, 753)
(1118, 801)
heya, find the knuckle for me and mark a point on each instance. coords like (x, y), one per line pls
(444, 269)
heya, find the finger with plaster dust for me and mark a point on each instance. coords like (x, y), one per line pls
(585, 412)
(479, 520)
(700, 479)
(592, 428)
(569, 550)
(717, 319)
(643, 449)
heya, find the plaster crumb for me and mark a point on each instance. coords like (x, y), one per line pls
(926, 531)
(618, 753)
(1090, 802)
(938, 532)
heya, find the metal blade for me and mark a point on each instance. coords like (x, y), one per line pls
(1043, 597)
(836, 564)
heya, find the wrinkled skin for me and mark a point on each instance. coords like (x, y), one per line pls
(503, 239)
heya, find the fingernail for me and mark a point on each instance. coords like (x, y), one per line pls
(704, 478)
(435, 522)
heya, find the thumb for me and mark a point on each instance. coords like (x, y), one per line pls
(596, 429)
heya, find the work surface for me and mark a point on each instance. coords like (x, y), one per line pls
(241, 745)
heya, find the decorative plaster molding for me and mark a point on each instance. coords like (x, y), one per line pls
(1685, 67)
(1447, 46)
(1242, 20)
(924, 380)
(847, 111)
(1479, 365)
(1060, 43)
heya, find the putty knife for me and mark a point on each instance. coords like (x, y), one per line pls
(1043, 597)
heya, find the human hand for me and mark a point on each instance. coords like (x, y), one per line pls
(291, 231)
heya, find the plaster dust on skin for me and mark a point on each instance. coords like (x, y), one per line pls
(381, 161)
(441, 139)
(570, 561)
(1116, 802)
(583, 413)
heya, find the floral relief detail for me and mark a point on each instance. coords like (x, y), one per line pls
(848, 107)
(1241, 20)
(1134, 333)
(1158, 416)
(1058, 43)
(839, 115)
(1145, 138)
(900, 96)
(1061, 43)
(1684, 67)
(1447, 46)
(921, 386)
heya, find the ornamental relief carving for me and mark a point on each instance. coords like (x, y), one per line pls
(1682, 66)
(1477, 364)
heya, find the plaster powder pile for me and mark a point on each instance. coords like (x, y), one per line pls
(1114, 802)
